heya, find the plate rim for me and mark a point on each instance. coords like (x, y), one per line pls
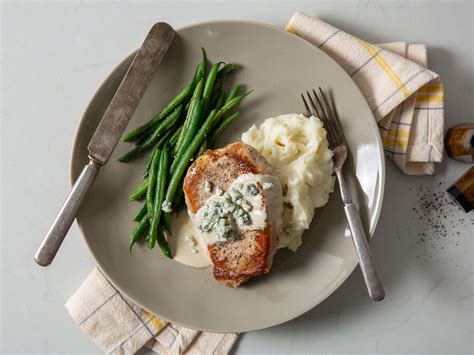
(380, 190)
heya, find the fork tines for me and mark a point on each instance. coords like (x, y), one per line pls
(320, 107)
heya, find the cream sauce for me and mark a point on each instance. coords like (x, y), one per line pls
(266, 206)
(181, 228)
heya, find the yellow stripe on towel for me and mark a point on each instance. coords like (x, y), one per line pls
(431, 89)
(291, 29)
(429, 98)
(396, 137)
(398, 134)
(395, 143)
(386, 67)
(155, 321)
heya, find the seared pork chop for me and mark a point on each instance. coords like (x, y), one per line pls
(251, 253)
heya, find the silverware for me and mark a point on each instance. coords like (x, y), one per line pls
(338, 144)
(108, 133)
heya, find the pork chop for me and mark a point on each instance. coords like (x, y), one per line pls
(251, 254)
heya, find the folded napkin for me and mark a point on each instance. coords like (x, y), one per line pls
(407, 102)
(405, 97)
(120, 327)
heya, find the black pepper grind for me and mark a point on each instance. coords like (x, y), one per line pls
(462, 191)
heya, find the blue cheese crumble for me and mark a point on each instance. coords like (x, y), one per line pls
(192, 244)
(207, 186)
(243, 206)
(251, 189)
(166, 207)
(224, 215)
(267, 185)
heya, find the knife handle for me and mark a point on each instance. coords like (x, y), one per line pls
(55, 236)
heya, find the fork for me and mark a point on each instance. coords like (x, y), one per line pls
(320, 107)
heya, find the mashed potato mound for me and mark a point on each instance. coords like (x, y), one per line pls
(296, 146)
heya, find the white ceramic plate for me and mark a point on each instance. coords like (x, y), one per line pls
(278, 66)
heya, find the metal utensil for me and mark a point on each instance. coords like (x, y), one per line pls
(108, 133)
(321, 108)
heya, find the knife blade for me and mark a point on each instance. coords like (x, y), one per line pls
(130, 92)
(108, 133)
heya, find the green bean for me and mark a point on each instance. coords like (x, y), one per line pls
(138, 231)
(166, 221)
(147, 165)
(214, 98)
(234, 91)
(217, 88)
(220, 101)
(207, 92)
(137, 133)
(202, 148)
(182, 133)
(163, 243)
(132, 154)
(167, 124)
(164, 140)
(226, 69)
(220, 76)
(186, 156)
(140, 213)
(140, 191)
(182, 160)
(189, 117)
(220, 113)
(179, 197)
(161, 183)
(193, 127)
(150, 192)
(186, 108)
(174, 138)
(156, 139)
(199, 75)
(201, 68)
(149, 132)
(228, 106)
(135, 152)
(179, 202)
(145, 135)
(156, 212)
(217, 132)
(180, 98)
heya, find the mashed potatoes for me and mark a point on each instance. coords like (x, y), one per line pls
(297, 148)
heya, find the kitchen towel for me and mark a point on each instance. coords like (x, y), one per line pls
(119, 326)
(405, 97)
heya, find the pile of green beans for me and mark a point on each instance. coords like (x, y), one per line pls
(189, 124)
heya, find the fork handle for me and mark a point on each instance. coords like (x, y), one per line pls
(366, 259)
(372, 278)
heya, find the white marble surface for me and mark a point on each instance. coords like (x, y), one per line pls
(54, 55)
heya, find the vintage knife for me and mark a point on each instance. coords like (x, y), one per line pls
(108, 133)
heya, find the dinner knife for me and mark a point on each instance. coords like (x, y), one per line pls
(108, 133)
